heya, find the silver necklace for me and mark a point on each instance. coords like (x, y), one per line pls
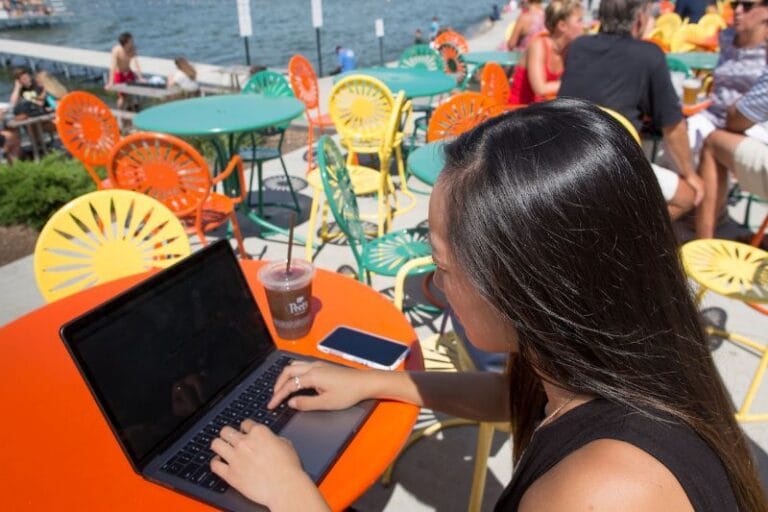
(554, 413)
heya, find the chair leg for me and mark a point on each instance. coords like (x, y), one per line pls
(261, 189)
(310, 140)
(758, 238)
(238, 235)
(484, 439)
(386, 478)
(309, 247)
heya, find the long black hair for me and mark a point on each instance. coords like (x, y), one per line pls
(555, 215)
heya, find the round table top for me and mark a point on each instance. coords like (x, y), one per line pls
(427, 161)
(414, 82)
(500, 57)
(212, 115)
(74, 451)
(697, 60)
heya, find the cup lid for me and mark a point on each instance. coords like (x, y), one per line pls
(273, 274)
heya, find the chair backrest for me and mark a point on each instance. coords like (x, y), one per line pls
(268, 83)
(360, 107)
(163, 167)
(303, 81)
(87, 128)
(625, 122)
(458, 114)
(340, 195)
(102, 236)
(453, 38)
(494, 83)
(712, 23)
(668, 23)
(421, 56)
(686, 39)
(454, 62)
(401, 109)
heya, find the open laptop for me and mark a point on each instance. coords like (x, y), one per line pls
(184, 353)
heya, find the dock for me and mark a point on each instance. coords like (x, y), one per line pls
(68, 58)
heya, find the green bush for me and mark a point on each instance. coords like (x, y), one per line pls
(30, 192)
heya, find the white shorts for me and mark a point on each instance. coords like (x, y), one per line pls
(668, 181)
(751, 166)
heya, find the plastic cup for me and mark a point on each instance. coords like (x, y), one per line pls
(289, 296)
(691, 88)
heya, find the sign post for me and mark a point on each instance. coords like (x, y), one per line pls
(246, 25)
(317, 22)
(379, 24)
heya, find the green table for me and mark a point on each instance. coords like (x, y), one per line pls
(502, 58)
(697, 60)
(427, 161)
(416, 83)
(232, 116)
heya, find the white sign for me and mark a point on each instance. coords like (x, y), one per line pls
(244, 18)
(379, 27)
(317, 13)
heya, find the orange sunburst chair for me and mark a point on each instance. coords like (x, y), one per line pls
(303, 81)
(88, 131)
(168, 169)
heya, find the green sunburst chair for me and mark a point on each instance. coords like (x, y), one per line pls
(421, 56)
(383, 255)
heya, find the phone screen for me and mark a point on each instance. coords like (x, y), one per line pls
(364, 347)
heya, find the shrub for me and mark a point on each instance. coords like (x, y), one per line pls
(30, 192)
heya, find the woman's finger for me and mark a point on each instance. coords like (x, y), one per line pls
(220, 467)
(222, 448)
(297, 380)
(231, 435)
(290, 371)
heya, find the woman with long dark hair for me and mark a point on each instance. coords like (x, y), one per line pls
(552, 242)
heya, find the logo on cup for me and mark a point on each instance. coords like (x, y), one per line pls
(299, 306)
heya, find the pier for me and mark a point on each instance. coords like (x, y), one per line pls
(68, 58)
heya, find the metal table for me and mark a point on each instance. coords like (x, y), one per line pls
(500, 57)
(416, 83)
(705, 61)
(231, 116)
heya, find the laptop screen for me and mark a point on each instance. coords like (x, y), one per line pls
(157, 354)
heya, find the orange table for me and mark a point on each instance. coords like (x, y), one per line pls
(59, 453)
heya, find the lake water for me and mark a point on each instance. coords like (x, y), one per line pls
(207, 30)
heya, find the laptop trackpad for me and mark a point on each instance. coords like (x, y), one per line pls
(319, 436)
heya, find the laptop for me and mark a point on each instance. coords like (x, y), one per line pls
(184, 353)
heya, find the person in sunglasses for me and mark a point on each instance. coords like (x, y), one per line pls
(742, 59)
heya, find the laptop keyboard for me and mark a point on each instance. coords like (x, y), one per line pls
(192, 462)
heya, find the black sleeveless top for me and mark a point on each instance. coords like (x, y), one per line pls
(697, 468)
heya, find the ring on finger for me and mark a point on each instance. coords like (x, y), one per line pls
(297, 382)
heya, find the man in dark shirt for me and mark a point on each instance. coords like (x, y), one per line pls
(692, 9)
(615, 69)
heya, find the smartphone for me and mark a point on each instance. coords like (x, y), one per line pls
(364, 348)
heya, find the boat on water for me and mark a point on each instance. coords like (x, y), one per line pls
(15, 14)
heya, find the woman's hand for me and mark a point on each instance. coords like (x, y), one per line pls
(264, 468)
(337, 387)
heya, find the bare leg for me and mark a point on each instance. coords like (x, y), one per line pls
(716, 159)
(12, 147)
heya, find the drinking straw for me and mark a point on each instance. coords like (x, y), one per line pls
(290, 243)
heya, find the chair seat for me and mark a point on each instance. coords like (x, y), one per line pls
(364, 179)
(386, 254)
(216, 211)
(735, 270)
(259, 154)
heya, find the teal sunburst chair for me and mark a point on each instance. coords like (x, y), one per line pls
(421, 56)
(384, 255)
(270, 84)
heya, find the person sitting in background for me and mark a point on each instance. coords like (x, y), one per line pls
(537, 75)
(346, 60)
(124, 55)
(434, 28)
(528, 24)
(418, 37)
(10, 143)
(185, 76)
(54, 90)
(731, 149)
(615, 69)
(28, 97)
(742, 58)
